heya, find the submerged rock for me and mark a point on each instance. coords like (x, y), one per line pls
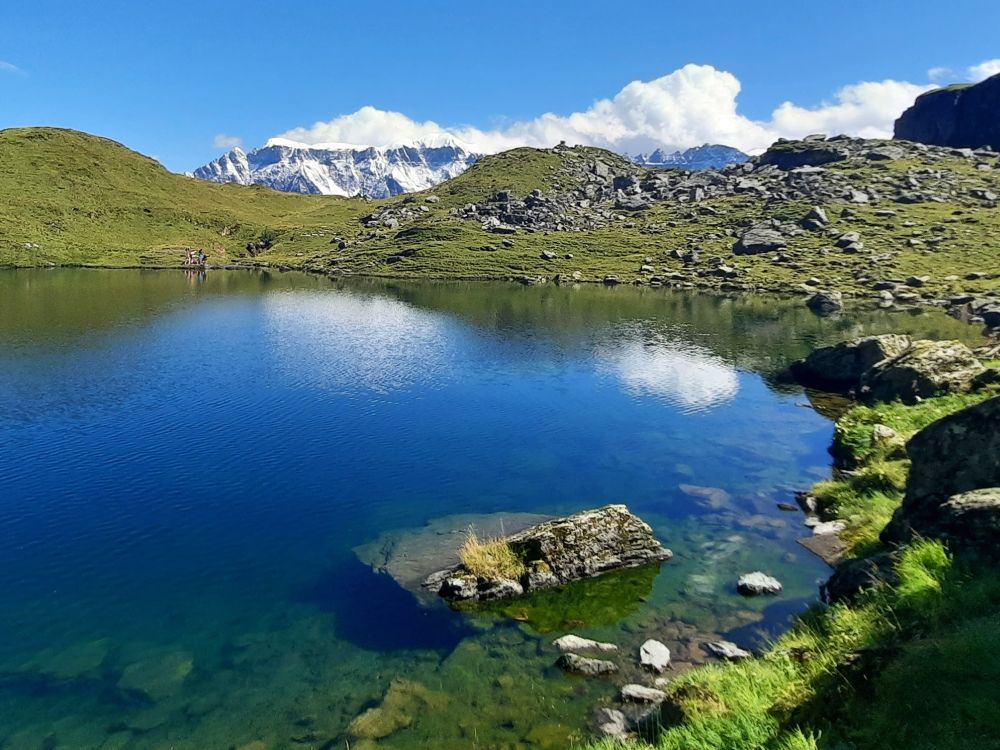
(556, 552)
(159, 676)
(642, 694)
(576, 643)
(585, 666)
(612, 723)
(654, 656)
(402, 702)
(727, 650)
(752, 584)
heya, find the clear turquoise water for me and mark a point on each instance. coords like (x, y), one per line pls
(187, 464)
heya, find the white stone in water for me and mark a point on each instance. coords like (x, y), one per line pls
(654, 655)
(829, 527)
(727, 650)
(576, 643)
(758, 583)
(642, 694)
(612, 723)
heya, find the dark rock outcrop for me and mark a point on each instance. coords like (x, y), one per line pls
(826, 303)
(951, 459)
(958, 116)
(793, 154)
(840, 367)
(969, 521)
(925, 369)
(759, 239)
(559, 551)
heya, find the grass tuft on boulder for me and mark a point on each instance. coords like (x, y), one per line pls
(490, 558)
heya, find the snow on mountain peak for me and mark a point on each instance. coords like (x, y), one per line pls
(343, 168)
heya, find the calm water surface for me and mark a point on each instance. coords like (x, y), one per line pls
(187, 466)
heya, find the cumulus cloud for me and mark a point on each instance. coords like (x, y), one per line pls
(940, 74)
(222, 140)
(984, 70)
(690, 106)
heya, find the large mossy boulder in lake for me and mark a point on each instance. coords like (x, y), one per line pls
(924, 370)
(961, 116)
(841, 366)
(951, 489)
(556, 552)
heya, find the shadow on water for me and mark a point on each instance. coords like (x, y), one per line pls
(374, 612)
(777, 619)
(604, 600)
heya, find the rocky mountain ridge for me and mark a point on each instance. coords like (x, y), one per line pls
(706, 156)
(963, 116)
(343, 169)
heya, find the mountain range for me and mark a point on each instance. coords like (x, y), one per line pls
(381, 172)
(343, 169)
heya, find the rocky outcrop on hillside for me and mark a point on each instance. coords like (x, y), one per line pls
(559, 551)
(953, 489)
(963, 116)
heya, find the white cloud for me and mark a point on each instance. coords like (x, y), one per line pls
(6, 67)
(692, 105)
(222, 140)
(984, 70)
(940, 74)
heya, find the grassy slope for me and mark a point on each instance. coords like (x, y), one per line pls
(82, 199)
(908, 667)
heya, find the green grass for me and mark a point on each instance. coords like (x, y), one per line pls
(70, 198)
(912, 666)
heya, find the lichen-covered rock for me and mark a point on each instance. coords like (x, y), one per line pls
(760, 238)
(955, 455)
(840, 367)
(565, 549)
(642, 694)
(925, 369)
(967, 522)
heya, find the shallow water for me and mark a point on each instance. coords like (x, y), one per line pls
(187, 464)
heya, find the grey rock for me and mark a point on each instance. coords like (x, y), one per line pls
(642, 694)
(654, 656)
(576, 643)
(760, 238)
(565, 549)
(612, 723)
(727, 650)
(925, 369)
(585, 666)
(826, 303)
(752, 584)
(840, 367)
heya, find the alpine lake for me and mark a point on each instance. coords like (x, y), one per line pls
(211, 486)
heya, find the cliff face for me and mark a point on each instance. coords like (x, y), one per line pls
(958, 116)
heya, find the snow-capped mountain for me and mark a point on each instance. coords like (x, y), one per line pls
(709, 156)
(343, 169)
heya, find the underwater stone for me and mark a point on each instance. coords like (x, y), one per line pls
(158, 676)
(727, 650)
(642, 694)
(576, 643)
(585, 666)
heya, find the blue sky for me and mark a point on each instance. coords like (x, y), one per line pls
(172, 79)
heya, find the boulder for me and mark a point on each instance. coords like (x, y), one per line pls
(761, 238)
(925, 369)
(961, 116)
(585, 666)
(825, 303)
(854, 576)
(642, 694)
(793, 154)
(752, 584)
(949, 458)
(654, 656)
(559, 551)
(969, 521)
(576, 643)
(840, 367)
(727, 650)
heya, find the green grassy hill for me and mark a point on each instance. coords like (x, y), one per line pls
(71, 198)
